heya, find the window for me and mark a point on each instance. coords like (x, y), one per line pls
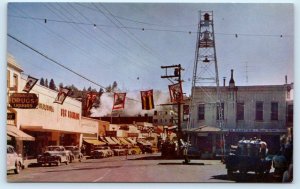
(201, 112)
(15, 82)
(8, 78)
(259, 111)
(222, 109)
(240, 111)
(155, 112)
(274, 111)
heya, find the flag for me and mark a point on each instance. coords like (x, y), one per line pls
(147, 100)
(31, 81)
(119, 101)
(62, 95)
(176, 92)
(90, 99)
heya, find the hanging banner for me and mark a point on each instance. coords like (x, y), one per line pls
(119, 101)
(176, 92)
(147, 100)
(31, 81)
(90, 99)
(62, 95)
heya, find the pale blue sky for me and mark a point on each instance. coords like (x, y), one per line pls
(107, 53)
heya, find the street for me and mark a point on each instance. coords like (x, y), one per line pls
(136, 168)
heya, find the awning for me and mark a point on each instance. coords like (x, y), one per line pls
(132, 141)
(124, 141)
(94, 142)
(110, 141)
(18, 134)
(116, 140)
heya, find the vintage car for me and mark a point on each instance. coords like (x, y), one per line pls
(14, 161)
(54, 155)
(248, 155)
(145, 147)
(119, 150)
(75, 153)
(102, 152)
(134, 150)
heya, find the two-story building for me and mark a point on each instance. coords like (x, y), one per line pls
(47, 124)
(248, 112)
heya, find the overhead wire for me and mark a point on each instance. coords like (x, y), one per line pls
(153, 29)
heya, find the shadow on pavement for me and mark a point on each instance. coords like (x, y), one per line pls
(181, 163)
(87, 168)
(248, 178)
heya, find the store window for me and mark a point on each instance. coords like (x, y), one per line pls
(201, 112)
(240, 111)
(259, 115)
(274, 111)
(15, 80)
(222, 109)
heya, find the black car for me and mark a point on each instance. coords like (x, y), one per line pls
(75, 153)
(248, 155)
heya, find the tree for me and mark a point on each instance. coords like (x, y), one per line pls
(114, 86)
(52, 85)
(101, 91)
(108, 89)
(61, 85)
(46, 83)
(42, 82)
(90, 88)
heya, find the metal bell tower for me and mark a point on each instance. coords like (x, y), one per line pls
(205, 71)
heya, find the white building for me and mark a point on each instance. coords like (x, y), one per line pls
(49, 123)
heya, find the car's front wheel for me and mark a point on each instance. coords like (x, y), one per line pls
(18, 168)
(58, 162)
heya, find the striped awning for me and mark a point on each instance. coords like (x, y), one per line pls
(110, 141)
(94, 141)
(124, 141)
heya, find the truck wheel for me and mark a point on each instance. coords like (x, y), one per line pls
(18, 168)
(67, 161)
(229, 173)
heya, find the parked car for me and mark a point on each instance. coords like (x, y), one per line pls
(134, 150)
(75, 153)
(248, 156)
(54, 155)
(146, 148)
(14, 161)
(119, 150)
(102, 152)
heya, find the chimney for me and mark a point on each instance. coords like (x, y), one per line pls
(285, 79)
(231, 82)
(224, 81)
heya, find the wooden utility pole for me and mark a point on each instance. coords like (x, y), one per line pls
(176, 74)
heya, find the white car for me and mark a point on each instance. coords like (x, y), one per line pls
(13, 160)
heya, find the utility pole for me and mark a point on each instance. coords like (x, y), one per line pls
(176, 74)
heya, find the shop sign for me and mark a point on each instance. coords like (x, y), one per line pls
(111, 133)
(23, 100)
(11, 116)
(132, 134)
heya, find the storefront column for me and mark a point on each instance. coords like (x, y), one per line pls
(213, 143)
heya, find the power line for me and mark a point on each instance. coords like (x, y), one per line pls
(236, 35)
(61, 65)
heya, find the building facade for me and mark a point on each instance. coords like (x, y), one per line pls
(249, 111)
(49, 123)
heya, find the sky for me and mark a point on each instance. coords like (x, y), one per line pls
(129, 42)
(231, 53)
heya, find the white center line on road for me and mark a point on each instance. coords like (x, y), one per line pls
(100, 178)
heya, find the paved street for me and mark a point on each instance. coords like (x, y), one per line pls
(141, 168)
